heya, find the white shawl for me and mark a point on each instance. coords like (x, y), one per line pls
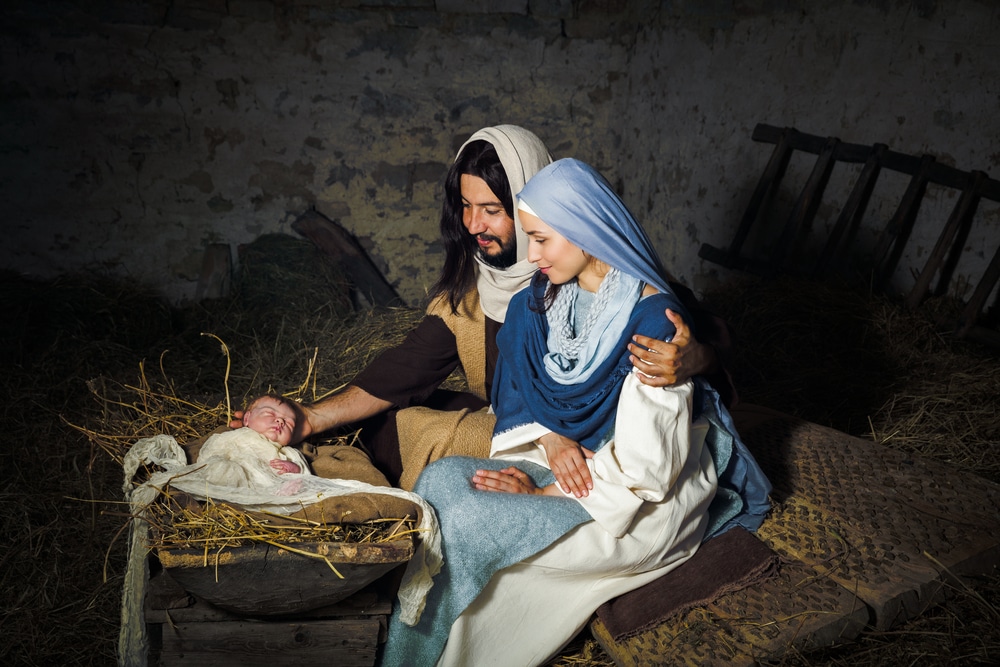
(522, 154)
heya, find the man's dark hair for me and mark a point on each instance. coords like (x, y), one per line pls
(478, 158)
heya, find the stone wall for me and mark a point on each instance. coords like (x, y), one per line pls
(135, 134)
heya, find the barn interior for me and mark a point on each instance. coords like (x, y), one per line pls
(161, 158)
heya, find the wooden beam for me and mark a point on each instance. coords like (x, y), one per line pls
(898, 231)
(336, 242)
(960, 217)
(847, 224)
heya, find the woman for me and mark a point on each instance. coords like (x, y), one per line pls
(615, 482)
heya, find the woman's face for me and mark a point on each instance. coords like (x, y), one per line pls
(556, 257)
(272, 419)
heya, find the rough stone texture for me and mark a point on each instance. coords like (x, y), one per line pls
(136, 134)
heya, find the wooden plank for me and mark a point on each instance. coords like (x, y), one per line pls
(760, 200)
(958, 245)
(967, 320)
(800, 219)
(846, 227)
(813, 143)
(899, 228)
(261, 580)
(952, 236)
(334, 240)
(346, 643)
(366, 602)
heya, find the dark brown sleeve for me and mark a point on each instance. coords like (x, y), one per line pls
(710, 329)
(492, 353)
(407, 374)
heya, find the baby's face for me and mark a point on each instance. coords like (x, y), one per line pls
(272, 419)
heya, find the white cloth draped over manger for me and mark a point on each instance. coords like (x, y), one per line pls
(284, 494)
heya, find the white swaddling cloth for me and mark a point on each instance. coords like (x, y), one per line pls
(242, 458)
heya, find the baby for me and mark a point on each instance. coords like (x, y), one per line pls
(252, 455)
(273, 417)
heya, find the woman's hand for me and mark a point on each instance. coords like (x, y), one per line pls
(568, 462)
(508, 480)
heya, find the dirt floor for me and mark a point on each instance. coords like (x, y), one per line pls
(73, 349)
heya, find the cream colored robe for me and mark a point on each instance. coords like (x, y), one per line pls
(653, 485)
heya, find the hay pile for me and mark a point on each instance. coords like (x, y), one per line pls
(89, 363)
(862, 364)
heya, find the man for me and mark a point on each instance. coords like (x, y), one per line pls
(407, 421)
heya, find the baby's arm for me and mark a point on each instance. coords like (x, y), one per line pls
(293, 457)
(281, 466)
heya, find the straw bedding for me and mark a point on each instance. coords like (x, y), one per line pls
(90, 364)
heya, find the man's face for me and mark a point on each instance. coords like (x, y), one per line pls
(485, 218)
(272, 419)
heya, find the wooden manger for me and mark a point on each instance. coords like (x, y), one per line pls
(266, 580)
(235, 587)
(184, 630)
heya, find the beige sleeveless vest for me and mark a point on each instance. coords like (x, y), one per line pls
(426, 435)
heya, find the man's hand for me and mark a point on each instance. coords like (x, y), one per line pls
(662, 364)
(351, 405)
(568, 462)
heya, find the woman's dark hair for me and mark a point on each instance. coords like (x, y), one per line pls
(543, 293)
(478, 158)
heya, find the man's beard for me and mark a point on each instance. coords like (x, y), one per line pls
(506, 258)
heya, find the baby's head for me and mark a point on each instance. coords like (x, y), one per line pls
(273, 416)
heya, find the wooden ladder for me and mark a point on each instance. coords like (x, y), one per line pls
(785, 247)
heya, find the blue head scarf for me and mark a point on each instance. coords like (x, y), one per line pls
(575, 200)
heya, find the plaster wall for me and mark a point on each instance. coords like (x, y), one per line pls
(135, 134)
(919, 77)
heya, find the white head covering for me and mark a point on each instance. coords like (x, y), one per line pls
(522, 154)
